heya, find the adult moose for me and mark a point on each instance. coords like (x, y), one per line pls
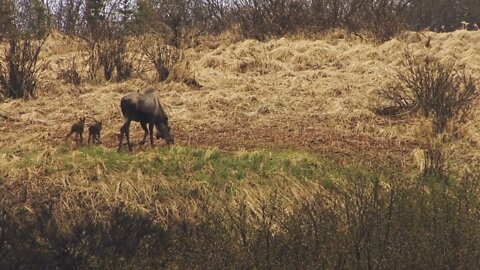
(146, 109)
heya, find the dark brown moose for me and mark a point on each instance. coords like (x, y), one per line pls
(146, 109)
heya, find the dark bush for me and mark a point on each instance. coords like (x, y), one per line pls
(177, 20)
(370, 221)
(18, 67)
(67, 16)
(163, 57)
(442, 92)
(25, 26)
(381, 20)
(109, 53)
(70, 73)
(113, 56)
(264, 19)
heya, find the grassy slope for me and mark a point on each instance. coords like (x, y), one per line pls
(287, 120)
(160, 179)
(288, 93)
(190, 208)
(311, 96)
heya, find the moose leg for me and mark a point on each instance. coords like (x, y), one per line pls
(124, 132)
(97, 137)
(127, 134)
(81, 139)
(151, 127)
(144, 127)
(120, 137)
(68, 136)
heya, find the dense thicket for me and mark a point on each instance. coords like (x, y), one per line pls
(261, 19)
(370, 224)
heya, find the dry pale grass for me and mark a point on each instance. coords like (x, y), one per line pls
(314, 94)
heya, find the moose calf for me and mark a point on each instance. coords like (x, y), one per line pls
(94, 131)
(77, 128)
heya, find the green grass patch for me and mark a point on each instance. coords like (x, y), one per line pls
(195, 164)
(27, 160)
(88, 158)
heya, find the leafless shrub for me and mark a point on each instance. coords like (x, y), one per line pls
(18, 67)
(442, 92)
(263, 19)
(163, 57)
(441, 15)
(92, 59)
(239, 219)
(383, 25)
(365, 203)
(107, 55)
(113, 56)
(106, 30)
(123, 65)
(25, 26)
(70, 74)
(67, 16)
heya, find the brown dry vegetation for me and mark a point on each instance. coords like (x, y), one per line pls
(304, 103)
(312, 94)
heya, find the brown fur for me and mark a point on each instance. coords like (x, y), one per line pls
(94, 131)
(146, 109)
(77, 128)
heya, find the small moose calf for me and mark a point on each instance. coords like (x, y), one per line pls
(77, 128)
(94, 131)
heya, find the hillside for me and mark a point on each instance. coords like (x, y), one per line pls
(312, 94)
(280, 152)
